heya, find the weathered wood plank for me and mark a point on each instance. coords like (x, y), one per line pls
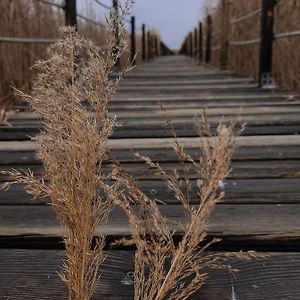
(262, 221)
(240, 169)
(240, 191)
(167, 143)
(32, 274)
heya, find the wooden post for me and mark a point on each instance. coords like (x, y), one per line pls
(144, 55)
(224, 34)
(266, 44)
(155, 45)
(195, 54)
(115, 4)
(200, 43)
(149, 45)
(208, 40)
(191, 44)
(188, 45)
(70, 13)
(133, 45)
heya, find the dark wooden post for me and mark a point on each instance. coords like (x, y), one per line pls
(115, 4)
(70, 13)
(188, 45)
(144, 56)
(266, 44)
(208, 39)
(191, 44)
(200, 43)
(224, 34)
(133, 45)
(195, 54)
(149, 45)
(155, 45)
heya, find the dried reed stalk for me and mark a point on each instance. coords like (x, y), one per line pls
(72, 82)
(164, 270)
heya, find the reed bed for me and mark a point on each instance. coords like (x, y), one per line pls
(216, 14)
(244, 59)
(32, 19)
(286, 60)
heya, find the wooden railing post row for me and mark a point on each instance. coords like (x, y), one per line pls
(266, 44)
(200, 43)
(144, 55)
(208, 39)
(133, 44)
(70, 13)
(195, 54)
(224, 34)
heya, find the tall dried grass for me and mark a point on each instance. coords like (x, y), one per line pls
(71, 94)
(74, 79)
(244, 59)
(286, 60)
(32, 19)
(164, 270)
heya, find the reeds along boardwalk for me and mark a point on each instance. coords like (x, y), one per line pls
(260, 210)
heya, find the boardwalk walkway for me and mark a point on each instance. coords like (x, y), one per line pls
(260, 211)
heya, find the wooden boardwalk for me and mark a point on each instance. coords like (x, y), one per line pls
(261, 209)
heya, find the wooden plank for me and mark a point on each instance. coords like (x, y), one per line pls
(25, 157)
(32, 274)
(238, 191)
(259, 222)
(240, 169)
(154, 130)
(167, 143)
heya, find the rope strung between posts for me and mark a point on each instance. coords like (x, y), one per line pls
(287, 34)
(102, 4)
(16, 40)
(51, 4)
(246, 17)
(243, 43)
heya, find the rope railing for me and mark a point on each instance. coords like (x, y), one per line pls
(244, 43)
(17, 40)
(287, 34)
(245, 17)
(52, 4)
(103, 4)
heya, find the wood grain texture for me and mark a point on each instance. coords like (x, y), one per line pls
(275, 278)
(263, 220)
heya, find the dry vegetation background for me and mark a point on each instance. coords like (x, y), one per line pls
(34, 19)
(244, 59)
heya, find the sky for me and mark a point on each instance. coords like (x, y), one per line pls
(173, 19)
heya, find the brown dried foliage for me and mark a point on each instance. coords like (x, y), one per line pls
(71, 95)
(164, 270)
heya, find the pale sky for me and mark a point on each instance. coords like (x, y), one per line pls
(172, 18)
